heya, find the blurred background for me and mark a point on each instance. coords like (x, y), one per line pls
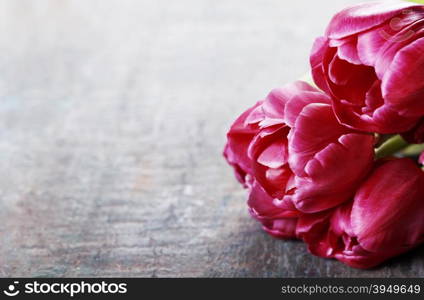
(113, 117)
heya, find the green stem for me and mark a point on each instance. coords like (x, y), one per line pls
(413, 150)
(391, 146)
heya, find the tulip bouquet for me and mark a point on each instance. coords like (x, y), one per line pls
(338, 164)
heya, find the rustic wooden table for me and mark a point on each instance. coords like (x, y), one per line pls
(113, 117)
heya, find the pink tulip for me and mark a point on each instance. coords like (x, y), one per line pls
(295, 157)
(384, 219)
(371, 62)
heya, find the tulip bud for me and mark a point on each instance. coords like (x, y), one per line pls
(384, 219)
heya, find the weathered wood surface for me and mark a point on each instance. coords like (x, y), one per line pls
(112, 120)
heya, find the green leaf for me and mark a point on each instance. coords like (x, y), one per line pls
(417, 1)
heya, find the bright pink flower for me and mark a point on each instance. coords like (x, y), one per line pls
(384, 219)
(370, 61)
(295, 157)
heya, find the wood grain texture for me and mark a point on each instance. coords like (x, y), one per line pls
(113, 117)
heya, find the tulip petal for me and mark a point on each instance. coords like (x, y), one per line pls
(330, 183)
(281, 228)
(262, 206)
(274, 104)
(348, 51)
(381, 44)
(304, 140)
(295, 106)
(315, 158)
(400, 90)
(318, 53)
(268, 151)
(359, 18)
(388, 208)
(275, 155)
(385, 119)
(369, 45)
(239, 138)
(313, 230)
(277, 222)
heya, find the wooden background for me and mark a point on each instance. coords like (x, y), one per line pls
(113, 117)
